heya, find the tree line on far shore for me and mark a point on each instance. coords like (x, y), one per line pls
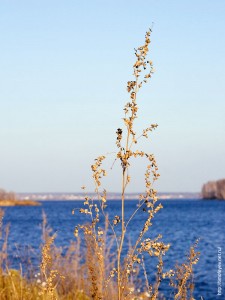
(4, 195)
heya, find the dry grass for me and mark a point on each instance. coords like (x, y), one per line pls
(91, 268)
(122, 274)
(91, 275)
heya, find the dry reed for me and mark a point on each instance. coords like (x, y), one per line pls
(121, 276)
(91, 268)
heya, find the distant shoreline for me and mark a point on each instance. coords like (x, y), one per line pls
(7, 203)
(110, 196)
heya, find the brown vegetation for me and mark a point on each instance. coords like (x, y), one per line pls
(10, 199)
(129, 262)
(91, 268)
(7, 196)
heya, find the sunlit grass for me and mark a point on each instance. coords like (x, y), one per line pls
(91, 268)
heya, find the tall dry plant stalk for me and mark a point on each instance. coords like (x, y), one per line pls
(94, 235)
(95, 270)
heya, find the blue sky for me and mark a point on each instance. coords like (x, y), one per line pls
(63, 72)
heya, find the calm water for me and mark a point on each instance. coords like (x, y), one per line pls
(181, 222)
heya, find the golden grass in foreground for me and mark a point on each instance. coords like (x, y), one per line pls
(69, 277)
